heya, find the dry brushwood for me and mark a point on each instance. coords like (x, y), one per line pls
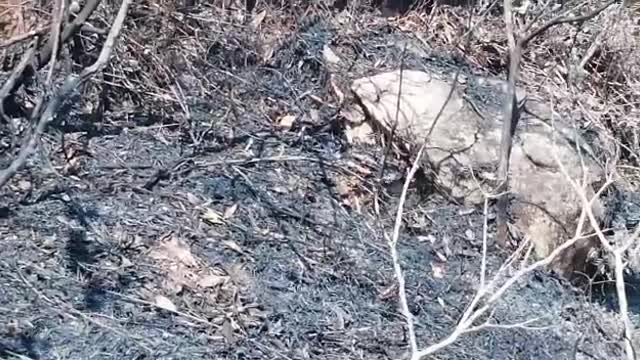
(44, 55)
(70, 84)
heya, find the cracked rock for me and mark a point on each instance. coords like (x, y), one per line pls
(463, 150)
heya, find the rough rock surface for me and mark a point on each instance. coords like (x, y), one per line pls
(463, 150)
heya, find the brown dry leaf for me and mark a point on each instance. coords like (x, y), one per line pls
(268, 51)
(337, 90)
(192, 199)
(174, 250)
(164, 303)
(72, 166)
(228, 213)
(389, 292)
(125, 262)
(211, 280)
(330, 56)
(213, 217)
(255, 23)
(286, 122)
(361, 134)
(239, 275)
(233, 246)
(24, 185)
(227, 331)
(358, 168)
(174, 284)
(437, 271)
(353, 115)
(177, 277)
(343, 187)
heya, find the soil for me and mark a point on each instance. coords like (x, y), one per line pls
(198, 228)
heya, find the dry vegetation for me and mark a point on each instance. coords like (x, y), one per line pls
(176, 182)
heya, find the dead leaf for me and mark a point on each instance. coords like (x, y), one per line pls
(337, 90)
(330, 56)
(430, 238)
(174, 250)
(174, 283)
(24, 185)
(343, 187)
(314, 114)
(233, 246)
(228, 213)
(437, 271)
(255, 23)
(192, 199)
(361, 134)
(389, 292)
(340, 318)
(286, 122)
(213, 217)
(210, 281)
(125, 262)
(353, 115)
(268, 51)
(164, 303)
(227, 331)
(239, 275)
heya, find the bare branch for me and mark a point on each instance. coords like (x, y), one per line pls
(44, 54)
(54, 39)
(24, 36)
(70, 84)
(509, 122)
(564, 20)
(9, 84)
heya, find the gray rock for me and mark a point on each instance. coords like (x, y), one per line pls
(463, 150)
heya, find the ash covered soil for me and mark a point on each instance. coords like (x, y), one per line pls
(178, 216)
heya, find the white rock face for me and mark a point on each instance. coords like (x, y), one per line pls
(545, 206)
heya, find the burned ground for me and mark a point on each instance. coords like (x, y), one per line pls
(177, 220)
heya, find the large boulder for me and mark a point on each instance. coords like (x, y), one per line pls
(463, 150)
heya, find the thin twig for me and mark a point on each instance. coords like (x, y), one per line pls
(564, 20)
(509, 122)
(24, 36)
(54, 39)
